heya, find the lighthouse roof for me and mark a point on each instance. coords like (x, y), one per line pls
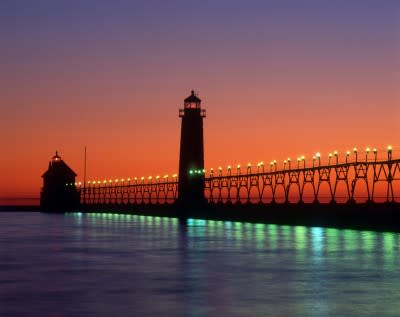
(192, 98)
(58, 166)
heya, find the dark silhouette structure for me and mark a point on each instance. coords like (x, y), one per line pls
(358, 191)
(368, 180)
(191, 158)
(59, 192)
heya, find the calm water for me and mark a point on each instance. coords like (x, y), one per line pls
(104, 265)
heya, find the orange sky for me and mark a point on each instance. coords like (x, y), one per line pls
(318, 85)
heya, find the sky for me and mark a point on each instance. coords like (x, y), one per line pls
(278, 79)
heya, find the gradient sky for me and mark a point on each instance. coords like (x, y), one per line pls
(278, 79)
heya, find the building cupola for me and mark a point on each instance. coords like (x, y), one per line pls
(56, 158)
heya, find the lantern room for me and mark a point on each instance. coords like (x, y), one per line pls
(192, 102)
(192, 106)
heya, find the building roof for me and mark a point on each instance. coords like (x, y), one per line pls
(58, 166)
(192, 98)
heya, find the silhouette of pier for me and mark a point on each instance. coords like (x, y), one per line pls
(375, 180)
(352, 189)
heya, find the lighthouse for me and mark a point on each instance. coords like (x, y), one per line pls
(59, 192)
(191, 158)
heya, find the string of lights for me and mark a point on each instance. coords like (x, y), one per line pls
(241, 183)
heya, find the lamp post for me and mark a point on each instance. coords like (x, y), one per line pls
(260, 167)
(318, 156)
(367, 150)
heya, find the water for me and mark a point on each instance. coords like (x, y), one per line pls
(105, 264)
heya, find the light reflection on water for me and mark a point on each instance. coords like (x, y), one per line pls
(99, 264)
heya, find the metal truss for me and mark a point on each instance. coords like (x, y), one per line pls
(358, 181)
(368, 181)
(160, 191)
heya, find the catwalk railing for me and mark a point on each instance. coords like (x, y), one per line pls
(358, 181)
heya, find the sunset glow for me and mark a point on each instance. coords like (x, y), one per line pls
(277, 79)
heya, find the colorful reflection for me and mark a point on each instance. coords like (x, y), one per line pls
(315, 241)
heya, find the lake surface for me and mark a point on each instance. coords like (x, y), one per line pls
(125, 265)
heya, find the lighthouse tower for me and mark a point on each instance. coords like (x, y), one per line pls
(191, 159)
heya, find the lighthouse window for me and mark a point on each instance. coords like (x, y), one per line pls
(192, 105)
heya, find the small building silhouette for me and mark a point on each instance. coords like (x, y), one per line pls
(59, 192)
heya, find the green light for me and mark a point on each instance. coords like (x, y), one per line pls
(317, 239)
(350, 239)
(368, 239)
(332, 236)
(272, 231)
(388, 242)
(238, 231)
(259, 234)
(201, 222)
(301, 237)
